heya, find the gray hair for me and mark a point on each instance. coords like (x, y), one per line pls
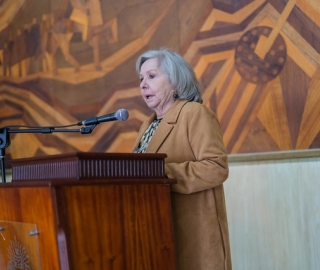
(180, 73)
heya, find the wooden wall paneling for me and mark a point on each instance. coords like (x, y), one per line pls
(274, 117)
(310, 121)
(80, 63)
(285, 80)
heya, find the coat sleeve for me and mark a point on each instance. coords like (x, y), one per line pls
(209, 166)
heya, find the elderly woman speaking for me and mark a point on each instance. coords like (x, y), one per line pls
(190, 135)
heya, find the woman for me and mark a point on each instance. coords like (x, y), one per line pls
(189, 133)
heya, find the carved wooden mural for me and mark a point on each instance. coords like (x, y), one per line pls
(64, 61)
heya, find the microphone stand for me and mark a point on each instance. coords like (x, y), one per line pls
(5, 138)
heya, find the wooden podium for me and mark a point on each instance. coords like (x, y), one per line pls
(87, 211)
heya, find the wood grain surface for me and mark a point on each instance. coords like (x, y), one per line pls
(89, 226)
(62, 62)
(31, 206)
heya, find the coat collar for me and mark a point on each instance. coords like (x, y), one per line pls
(165, 127)
(172, 115)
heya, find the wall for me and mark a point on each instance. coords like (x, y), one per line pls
(273, 206)
(62, 61)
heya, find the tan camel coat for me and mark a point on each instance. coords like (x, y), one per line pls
(190, 135)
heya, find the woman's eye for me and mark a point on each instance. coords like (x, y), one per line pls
(151, 76)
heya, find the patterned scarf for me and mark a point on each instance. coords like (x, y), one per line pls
(147, 136)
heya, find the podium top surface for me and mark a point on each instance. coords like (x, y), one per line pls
(89, 166)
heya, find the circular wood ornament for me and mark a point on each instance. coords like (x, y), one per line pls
(251, 66)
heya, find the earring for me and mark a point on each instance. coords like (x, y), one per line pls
(175, 95)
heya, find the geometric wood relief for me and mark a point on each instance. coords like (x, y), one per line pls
(63, 61)
(262, 98)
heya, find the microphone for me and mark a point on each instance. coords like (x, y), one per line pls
(121, 115)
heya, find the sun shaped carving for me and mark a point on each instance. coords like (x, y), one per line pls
(18, 258)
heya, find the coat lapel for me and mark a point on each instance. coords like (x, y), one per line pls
(165, 127)
(159, 137)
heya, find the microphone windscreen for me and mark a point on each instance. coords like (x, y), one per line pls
(122, 114)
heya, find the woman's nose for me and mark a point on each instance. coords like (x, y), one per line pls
(143, 83)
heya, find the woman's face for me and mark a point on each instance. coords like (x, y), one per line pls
(155, 87)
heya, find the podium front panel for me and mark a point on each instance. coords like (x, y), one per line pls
(94, 210)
